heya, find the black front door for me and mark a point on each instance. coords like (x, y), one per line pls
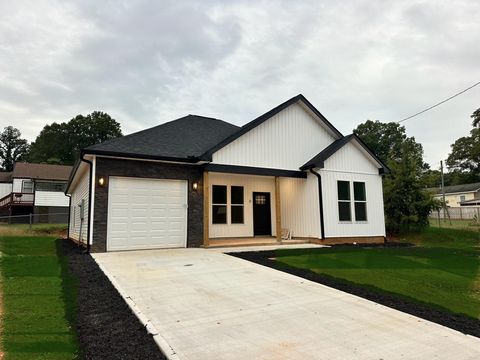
(262, 219)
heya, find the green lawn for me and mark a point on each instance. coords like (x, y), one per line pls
(443, 271)
(38, 299)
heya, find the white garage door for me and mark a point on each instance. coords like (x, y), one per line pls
(146, 213)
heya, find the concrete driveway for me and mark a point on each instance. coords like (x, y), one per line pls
(208, 305)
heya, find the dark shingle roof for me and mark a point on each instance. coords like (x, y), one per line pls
(458, 188)
(319, 159)
(183, 139)
(5, 176)
(41, 171)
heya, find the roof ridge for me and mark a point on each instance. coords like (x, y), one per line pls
(269, 114)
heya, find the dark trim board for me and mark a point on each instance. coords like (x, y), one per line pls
(318, 161)
(234, 169)
(261, 119)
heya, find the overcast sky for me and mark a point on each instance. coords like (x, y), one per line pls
(147, 62)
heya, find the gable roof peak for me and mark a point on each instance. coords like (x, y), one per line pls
(269, 114)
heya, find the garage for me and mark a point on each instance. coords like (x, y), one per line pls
(146, 213)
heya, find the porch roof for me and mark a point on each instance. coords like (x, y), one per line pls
(234, 169)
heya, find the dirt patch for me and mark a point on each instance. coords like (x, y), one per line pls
(106, 327)
(457, 322)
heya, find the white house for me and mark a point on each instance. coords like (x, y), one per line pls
(199, 181)
(36, 189)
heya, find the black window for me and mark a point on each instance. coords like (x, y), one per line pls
(51, 186)
(236, 211)
(219, 204)
(344, 208)
(360, 197)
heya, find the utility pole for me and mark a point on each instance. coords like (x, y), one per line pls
(444, 205)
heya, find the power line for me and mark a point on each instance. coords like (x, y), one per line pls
(440, 103)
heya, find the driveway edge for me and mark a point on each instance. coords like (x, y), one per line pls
(164, 346)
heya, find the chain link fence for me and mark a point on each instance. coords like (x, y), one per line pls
(33, 219)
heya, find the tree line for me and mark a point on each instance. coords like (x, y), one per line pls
(57, 143)
(407, 204)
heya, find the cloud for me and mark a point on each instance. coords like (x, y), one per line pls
(147, 62)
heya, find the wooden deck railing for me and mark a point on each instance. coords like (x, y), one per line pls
(16, 198)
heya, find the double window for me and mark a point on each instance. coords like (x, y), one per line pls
(220, 205)
(345, 201)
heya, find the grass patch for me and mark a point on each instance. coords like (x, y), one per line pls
(455, 224)
(442, 271)
(56, 230)
(38, 298)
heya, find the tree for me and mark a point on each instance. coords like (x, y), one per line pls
(12, 147)
(476, 118)
(386, 140)
(407, 204)
(465, 151)
(61, 143)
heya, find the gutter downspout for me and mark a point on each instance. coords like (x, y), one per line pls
(320, 200)
(90, 180)
(69, 214)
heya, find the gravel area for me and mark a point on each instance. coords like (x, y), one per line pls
(457, 322)
(106, 327)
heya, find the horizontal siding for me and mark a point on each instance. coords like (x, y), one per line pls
(78, 229)
(300, 206)
(285, 141)
(375, 224)
(17, 185)
(50, 198)
(5, 189)
(352, 158)
(250, 184)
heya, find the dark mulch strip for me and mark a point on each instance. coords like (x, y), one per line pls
(106, 327)
(389, 244)
(457, 322)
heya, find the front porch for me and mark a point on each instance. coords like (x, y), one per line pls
(253, 241)
(249, 208)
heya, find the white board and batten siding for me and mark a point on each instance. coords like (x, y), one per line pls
(250, 185)
(285, 141)
(351, 163)
(79, 192)
(146, 213)
(50, 198)
(300, 206)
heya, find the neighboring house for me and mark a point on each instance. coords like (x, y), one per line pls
(36, 189)
(199, 181)
(459, 195)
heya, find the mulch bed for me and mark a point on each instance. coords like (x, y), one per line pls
(457, 322)
(106, 327)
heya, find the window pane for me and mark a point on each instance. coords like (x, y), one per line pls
(219, 214)
(359, 191)
(344, 211)
(27, 187)
(237, 194)
(360, 211)
(237, 214)
(343, 190)
(219, 194)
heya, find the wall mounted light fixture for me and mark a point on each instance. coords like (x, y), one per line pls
(101, 181)
(195, 186)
